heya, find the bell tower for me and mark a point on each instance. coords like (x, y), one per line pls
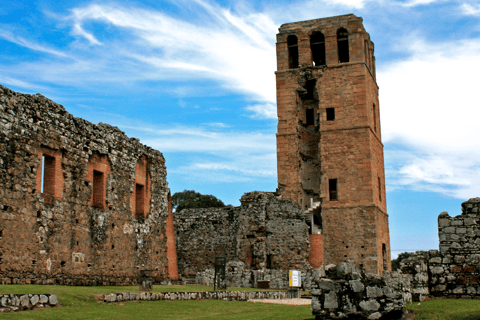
(329, 148)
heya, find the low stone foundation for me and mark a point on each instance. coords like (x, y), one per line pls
(18, 302)
(204, 295)
(348, 292)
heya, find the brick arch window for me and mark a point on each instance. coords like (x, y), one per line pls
(317, 45)
(292, 43)
(98, 170)
(342, 44)
(140, 198)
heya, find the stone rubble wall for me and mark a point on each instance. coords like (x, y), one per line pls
(262, 239)
(348, 292)
(19, 302)
(205, 295)
(240, 275)
(65, 235)
(454, 270)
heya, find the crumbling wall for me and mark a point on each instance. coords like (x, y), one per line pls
(348, 292)
(454, 270)
(202, 235)
(264, 233)
(78, 225)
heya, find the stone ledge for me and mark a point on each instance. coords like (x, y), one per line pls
(204, 295)
(19, 302)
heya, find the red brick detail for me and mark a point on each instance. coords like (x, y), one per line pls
(456, 269)
(98, 170)
(469, 269)
(171, 249)
(53, 174)
(140, 198)
(315, 257)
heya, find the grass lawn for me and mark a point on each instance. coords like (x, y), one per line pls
(452, 309)
(80, 303)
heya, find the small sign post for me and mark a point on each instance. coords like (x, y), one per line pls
(295, 282)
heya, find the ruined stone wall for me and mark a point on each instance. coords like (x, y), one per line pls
(264, 233)
(348, 292)
(202, 235)
(79, 226)
(329, 130)
(454, 270)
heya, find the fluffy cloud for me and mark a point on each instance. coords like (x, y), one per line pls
(430, 109)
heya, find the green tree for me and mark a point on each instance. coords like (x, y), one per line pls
(401, 256)
(191, 199)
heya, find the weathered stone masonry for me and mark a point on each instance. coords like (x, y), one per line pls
(329, 149)
(454, 270)
(80, 203)
(262, 239)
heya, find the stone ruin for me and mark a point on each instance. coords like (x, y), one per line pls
(348, 292)
(262, 239)
(454, 270)
(80, 204)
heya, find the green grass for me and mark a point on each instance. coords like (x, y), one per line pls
(464, 309)
(80, 303)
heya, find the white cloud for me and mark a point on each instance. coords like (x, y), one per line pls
(414, 3)
(213, 156)
(471, 10)
(9, 36)
(263, 111)
(357, 4)
(430, 105)
(227, 47)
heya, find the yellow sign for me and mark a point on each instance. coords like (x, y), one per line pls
(295, 278)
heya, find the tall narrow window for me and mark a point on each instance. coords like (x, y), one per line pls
(292, 43)
(310, 86)
(384, 256)
(48, 175)
(310, 117)
(342, 43)
(330, 114)
(139, 200)
(374, 117)
(98, 189)
(317, 45)
(332, 188)
(379, 189)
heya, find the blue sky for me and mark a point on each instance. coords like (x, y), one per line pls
(195, 80)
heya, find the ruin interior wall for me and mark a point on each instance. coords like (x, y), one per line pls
(66, 190)
(264, 233)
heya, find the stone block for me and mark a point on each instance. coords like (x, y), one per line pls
(369, 305)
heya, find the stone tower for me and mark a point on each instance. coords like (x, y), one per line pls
(329, 148)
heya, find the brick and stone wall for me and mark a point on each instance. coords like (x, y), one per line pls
(348, 292)
(454, 270)
(99, 215)
(313, 147)
(264, 233)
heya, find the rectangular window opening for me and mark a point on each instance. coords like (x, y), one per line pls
(48, 175)
(310, 117)
(269, 261)
(379, 189)
(332, 187)
(330, 114)
(139, 200)
(374, 118)
(310, 86)
(98, 189)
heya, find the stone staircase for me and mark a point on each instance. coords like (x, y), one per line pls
(308, 214)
